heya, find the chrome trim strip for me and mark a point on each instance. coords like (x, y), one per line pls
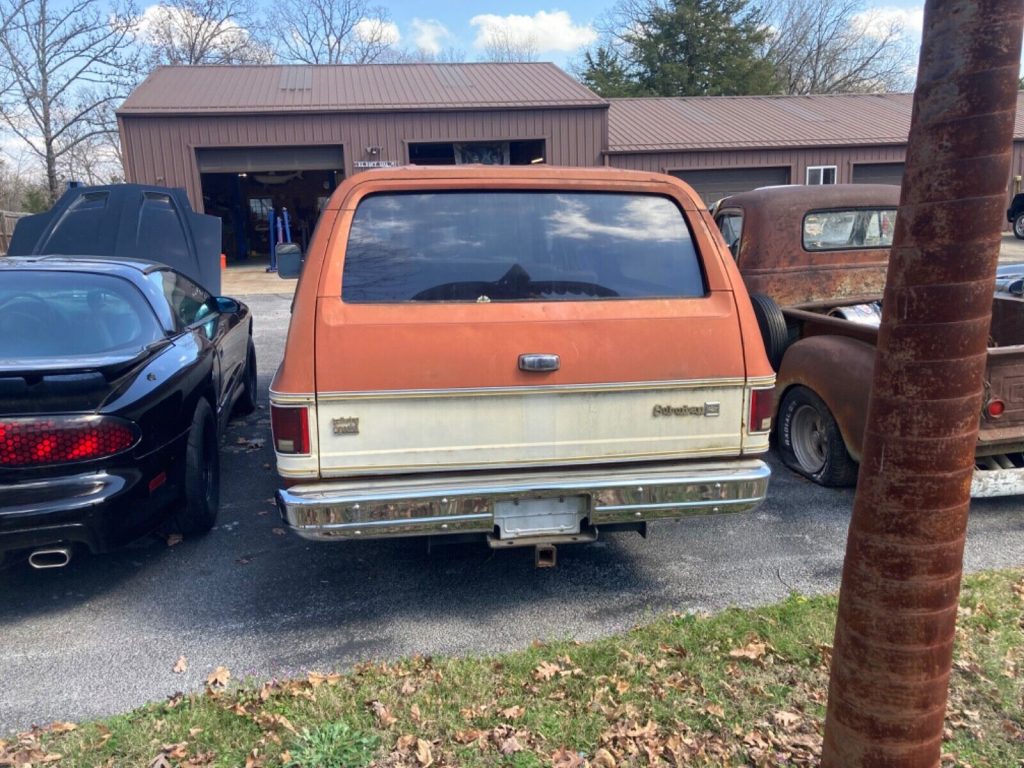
(60, 494)
(666, 505)
(292, 398)
(381, 508)
(628, 386)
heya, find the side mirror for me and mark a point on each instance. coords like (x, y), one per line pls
(289, 261)
(226, 306)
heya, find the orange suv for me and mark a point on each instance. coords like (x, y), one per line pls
(533, 355)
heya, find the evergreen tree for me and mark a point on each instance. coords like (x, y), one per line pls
(683, 48)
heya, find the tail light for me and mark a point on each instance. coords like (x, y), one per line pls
(995, 408)
(762, 402)
(290, 426)
(37, 442)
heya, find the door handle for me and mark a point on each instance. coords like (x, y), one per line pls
(539, 363)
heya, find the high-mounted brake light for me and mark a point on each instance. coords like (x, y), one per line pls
(761, 403)
(36, 442)
(290, 426)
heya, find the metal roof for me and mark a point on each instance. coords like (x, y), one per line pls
(354, 88)
(761, 122)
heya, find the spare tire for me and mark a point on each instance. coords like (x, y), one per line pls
(772, 323)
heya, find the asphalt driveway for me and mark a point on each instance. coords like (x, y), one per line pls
(103, 635)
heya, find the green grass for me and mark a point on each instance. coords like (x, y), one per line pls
(741, 687)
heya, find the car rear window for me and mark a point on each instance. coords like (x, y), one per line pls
(519, 246)
(849, 229)
(47, 314)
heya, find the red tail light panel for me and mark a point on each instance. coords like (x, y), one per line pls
(290, 426)
(39, 442)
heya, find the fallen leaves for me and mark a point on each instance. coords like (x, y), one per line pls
(755, 650)
(424, 753)
(218, 678)
(180, 666)
(384, 717)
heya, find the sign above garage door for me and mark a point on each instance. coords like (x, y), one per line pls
(716, 183)
(248, 159)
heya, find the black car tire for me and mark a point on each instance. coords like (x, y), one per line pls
(1018, 226)
(810, 442)
(247, 400)
(772, 323)
(198, 512)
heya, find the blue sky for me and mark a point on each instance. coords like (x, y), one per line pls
(559, 30)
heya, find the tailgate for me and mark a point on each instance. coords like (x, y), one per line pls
(428, 388)
(1004, 376)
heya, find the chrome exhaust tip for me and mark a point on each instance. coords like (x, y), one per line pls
(57, 557)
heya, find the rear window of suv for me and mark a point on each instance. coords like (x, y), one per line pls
(485, 246)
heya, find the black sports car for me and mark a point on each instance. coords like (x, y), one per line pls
(117, 377)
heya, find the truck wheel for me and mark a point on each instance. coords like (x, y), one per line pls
(1018, 226)
(772, 323)
(198, 511)
(810, 441)
(247, 400)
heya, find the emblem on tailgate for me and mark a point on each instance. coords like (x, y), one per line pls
(346, 426)
(708, 409)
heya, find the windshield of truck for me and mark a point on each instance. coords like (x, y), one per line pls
(519, 246)
(843, 230)
(50, 314)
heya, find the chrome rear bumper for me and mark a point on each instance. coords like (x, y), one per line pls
(379, 508)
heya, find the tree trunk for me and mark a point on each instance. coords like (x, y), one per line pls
(904, 558)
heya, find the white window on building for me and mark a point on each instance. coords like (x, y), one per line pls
(821, 174)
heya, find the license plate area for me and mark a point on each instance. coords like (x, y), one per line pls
(540, 517)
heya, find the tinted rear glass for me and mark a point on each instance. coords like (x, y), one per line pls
(48, 314)
(519, 246)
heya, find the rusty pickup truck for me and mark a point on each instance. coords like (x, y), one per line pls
(814, 259)
(525, 355)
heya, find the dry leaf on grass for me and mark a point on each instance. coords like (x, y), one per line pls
(755, 650)
(384, 717)
(218, 678)
(513, 713)
(563, 758)
(423, 753)
(510, 746)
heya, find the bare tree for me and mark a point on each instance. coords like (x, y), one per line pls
(331, 31)
(65, 64)
(204, 32)
(836, 46)
(503, 45)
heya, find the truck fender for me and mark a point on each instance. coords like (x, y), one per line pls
(837, 369)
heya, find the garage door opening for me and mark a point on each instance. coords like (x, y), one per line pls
(714, 184)
(486, 152)
(242, 185)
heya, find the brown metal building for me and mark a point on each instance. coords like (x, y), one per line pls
(244, 140)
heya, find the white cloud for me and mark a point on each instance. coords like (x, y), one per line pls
(880, 19)
(546, 31)
(377, 30)
(430, 35)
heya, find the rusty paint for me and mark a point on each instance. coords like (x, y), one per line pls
(897, 609)
(772, 258)
(836, 368)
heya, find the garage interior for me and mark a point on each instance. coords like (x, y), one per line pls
(527, 152)
(242, 184)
